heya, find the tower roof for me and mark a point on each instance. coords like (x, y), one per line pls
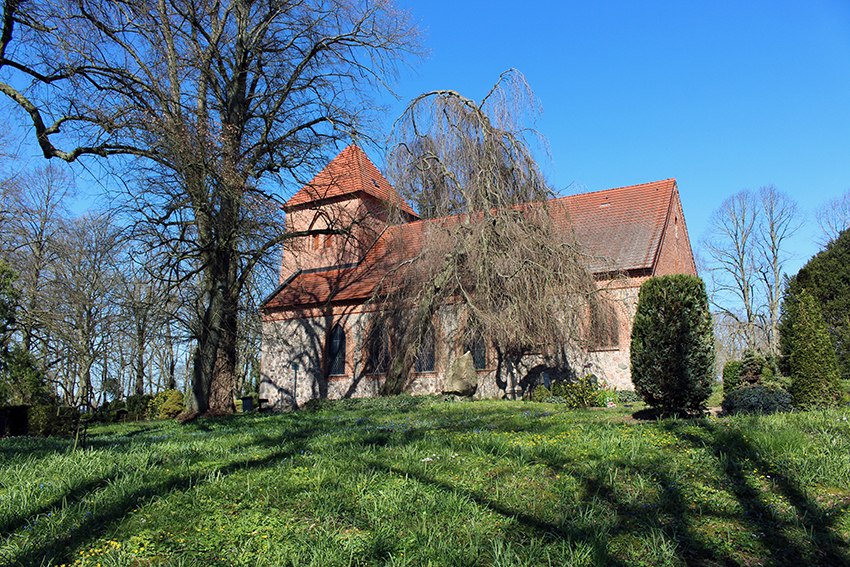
(350, 172)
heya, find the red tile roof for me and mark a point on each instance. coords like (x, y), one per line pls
(620, 229)
(349, 172)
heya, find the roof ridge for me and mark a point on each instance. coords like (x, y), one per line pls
(585, 193)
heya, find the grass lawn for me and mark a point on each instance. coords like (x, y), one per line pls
(417, 481)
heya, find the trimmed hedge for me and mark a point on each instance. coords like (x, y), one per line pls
(13, 420)
(672, 349)
(52, 420)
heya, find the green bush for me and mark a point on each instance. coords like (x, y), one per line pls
(21, 380)
(50, 419)
(166, 405)
(672, 349)
(580, 393)
(814, 366)
(110, 412)
(757, 399)
(827, 278)
(627, 396)
(753, 366)
(137, 406)
(541, 394)
(731, 376)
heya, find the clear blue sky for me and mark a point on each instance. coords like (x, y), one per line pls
(721, 95)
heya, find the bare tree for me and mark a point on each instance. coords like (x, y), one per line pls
(746, 252)
(215, 98)
(732, 255)
(833, 217)
(37, 212)
(779, 221)
(87, 284)
(521, 280)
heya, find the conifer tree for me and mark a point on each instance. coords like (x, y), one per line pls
(672, 350)
(814, 366)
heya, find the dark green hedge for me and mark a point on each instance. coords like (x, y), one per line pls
(826, 277)
(672, 349)
(813, 364)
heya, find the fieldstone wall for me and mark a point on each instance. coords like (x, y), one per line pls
(293, 350)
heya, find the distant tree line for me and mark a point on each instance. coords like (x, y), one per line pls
(744, 258)
(203, 108)
(87, 316)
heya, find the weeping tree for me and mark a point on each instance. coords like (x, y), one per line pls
(210, 102)
(493, 249)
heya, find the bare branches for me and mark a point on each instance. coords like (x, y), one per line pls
(746, 247)
(833, 217)
(452, 155)
(213, 96)
(519, 277)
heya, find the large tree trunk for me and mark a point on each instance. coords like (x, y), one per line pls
(224, 376)
(209, 337)
(214, 365)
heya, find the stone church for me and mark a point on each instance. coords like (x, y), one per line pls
(349, 222)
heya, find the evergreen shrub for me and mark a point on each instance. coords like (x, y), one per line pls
(137, 406)
(672, 349)
(731, 376)
(753, 366)
(813, 363)
(166, 405)
(827, 278)
(757, 399)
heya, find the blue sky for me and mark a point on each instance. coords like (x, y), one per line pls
(720, 95)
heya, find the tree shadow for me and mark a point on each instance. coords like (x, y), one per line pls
(58, 549)
(734, 453)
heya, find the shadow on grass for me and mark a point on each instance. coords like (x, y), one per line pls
(73, 496)
(59, 549)
(736, 456)
(811, 539)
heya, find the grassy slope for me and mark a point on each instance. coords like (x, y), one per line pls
(415, 481)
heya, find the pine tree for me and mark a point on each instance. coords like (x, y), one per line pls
(672, 350)
(827, 278)
(814, 366)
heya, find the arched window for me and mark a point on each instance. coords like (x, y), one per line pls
(336, 351)
(377, 350)
(425, 358)
(478, 348)
(604, 326)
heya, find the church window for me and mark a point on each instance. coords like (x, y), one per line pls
(377, 351)
(478, 348)
(336, 351)
(425, 356)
